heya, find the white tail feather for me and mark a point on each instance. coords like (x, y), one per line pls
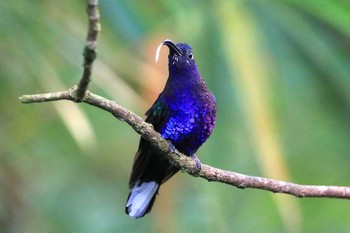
(140, 197)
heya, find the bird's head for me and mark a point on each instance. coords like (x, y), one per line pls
(180, 55)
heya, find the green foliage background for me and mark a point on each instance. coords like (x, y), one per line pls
(280, 71)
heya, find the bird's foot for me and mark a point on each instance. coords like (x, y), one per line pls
(172, 148)
(198, 163)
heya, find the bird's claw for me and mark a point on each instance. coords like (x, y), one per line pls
(198, 163)
(172, 148)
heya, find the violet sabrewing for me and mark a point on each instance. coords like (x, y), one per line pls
(184, 114)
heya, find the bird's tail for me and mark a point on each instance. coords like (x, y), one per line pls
(141, 198)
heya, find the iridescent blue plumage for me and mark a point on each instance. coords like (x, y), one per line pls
(185, 114)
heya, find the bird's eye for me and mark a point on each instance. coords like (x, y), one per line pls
(190, 55)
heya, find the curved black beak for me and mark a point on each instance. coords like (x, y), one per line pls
(173, 48)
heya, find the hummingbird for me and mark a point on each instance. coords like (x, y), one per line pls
(184, 114)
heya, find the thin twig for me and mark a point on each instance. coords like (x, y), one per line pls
(90, 47)
(187, 164)
(37, 98)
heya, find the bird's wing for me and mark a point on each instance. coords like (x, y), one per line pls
(158, 114)
(145, 157)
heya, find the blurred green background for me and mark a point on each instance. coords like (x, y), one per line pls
(280, 71)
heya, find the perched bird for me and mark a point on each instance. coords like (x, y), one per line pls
(184, 114)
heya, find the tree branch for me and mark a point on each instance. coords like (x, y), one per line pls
(90, 47)
(185, 163)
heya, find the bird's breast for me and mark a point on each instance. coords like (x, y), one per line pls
(190, 122)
